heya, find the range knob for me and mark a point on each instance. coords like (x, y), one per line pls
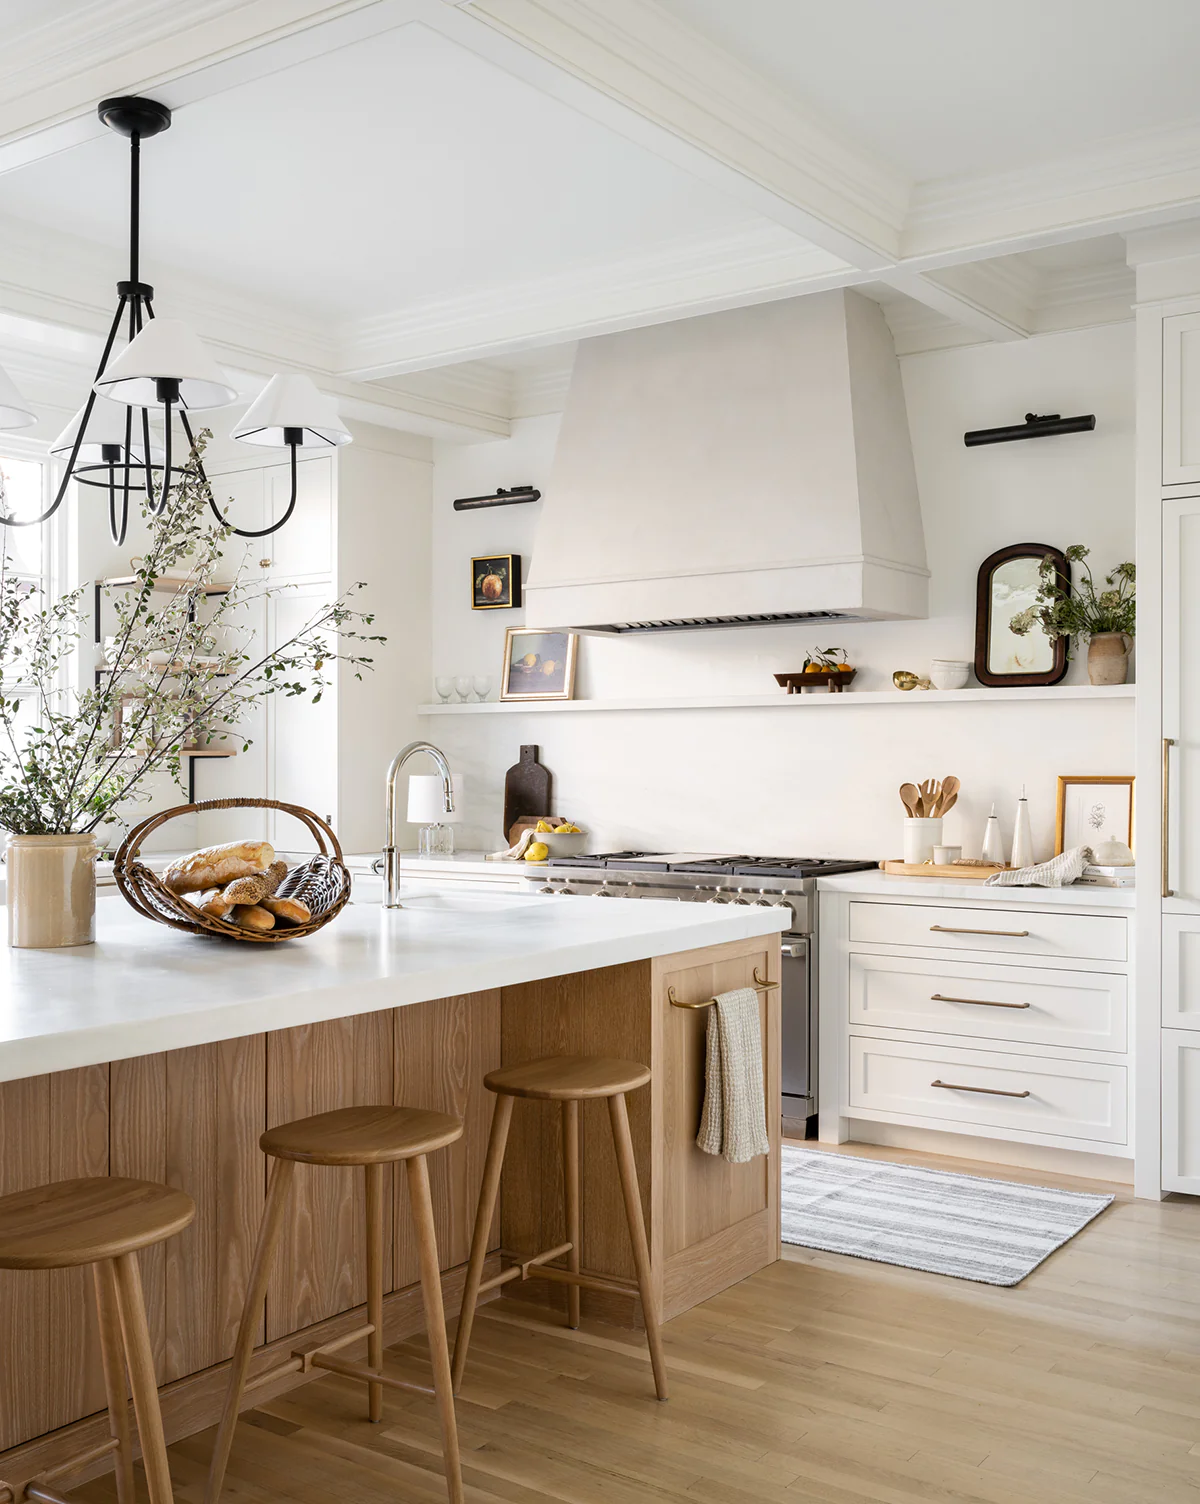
(604, 893)
(718, 898)
(565, 892)
(547, 890)
(763, 902)
(741, 896)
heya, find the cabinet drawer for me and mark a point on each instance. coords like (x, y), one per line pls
(987, 1090)
(1025, 1004)
(1016, 932)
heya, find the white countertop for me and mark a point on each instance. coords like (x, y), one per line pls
(143, 988)
(882, 885)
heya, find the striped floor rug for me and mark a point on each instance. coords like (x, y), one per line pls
(993, 1231)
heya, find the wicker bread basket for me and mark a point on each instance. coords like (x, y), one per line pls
(322, 882)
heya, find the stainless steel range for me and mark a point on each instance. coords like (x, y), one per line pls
(689, 877)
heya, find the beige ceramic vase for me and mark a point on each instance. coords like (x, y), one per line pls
(1108, 658)
(51, 891)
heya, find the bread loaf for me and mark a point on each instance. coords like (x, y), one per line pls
(217, 865)
(289, 909)
(216, 905)
(257, 886)
(251, 917)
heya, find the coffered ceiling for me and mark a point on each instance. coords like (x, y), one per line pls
(403, 195)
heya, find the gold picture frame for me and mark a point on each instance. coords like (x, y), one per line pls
(538, 665)
(495, 582)
(1070, 814)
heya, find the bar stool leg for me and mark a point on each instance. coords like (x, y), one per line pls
(268, 1235)
(435, 1321)
(492, 1165)
(374, 1174)
(627, 1167)
(112, 1360)
(142, 1381)
(570, 1122)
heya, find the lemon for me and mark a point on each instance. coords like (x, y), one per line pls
(538, 852)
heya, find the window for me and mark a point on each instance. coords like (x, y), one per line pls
(24, 492)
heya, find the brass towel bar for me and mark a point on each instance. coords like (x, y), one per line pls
(760, 985)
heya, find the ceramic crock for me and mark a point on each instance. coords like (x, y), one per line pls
(51, 882)
(1108, 658)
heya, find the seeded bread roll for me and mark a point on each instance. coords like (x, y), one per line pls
(251, 917)
(257, 886)
(289, 909)
(217, 865)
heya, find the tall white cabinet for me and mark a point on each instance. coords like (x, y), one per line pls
(362, 515)
(1168, 713)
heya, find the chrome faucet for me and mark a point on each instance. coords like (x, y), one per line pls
(391, 864)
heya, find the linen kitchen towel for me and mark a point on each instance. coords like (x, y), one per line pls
(734, 1119)
(1059, 872)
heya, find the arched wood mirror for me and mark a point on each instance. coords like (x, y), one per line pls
(1008, 583)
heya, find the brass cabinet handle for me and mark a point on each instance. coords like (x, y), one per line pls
(945, 929)
(1167, 890)
(986, 1091)
(976, 1002)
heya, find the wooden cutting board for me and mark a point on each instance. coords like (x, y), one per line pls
(932, 869)
(526, 791)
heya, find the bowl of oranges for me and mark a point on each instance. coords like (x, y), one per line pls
(555, 838)
(823, 667)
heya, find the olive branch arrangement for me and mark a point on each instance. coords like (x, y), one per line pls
(69, 760)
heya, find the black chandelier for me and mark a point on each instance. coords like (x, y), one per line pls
(110, 443)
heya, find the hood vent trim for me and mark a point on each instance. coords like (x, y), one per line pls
(699, 623)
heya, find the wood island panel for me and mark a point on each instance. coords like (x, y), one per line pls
(192, 1118)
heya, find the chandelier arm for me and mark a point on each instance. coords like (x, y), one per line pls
(78, 444)
(115, 532)
(261, 532)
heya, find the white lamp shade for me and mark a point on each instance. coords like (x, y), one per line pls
(15, 412)
(292, 401)
(425, 806)
(105, 425)
(166, 348)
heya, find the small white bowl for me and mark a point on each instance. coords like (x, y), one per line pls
(949, 673)
(563, 844)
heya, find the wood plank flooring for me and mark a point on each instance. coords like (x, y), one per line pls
(820, 1380)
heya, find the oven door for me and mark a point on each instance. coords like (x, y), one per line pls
(798, 1022)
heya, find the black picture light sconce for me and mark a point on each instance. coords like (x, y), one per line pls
(1034, 427)
(500, 498)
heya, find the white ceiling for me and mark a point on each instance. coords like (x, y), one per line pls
(386, 173)
(942, 87)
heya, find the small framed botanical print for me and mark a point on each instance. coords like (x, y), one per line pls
(495, 582)
(1092, 809)
(538, 665)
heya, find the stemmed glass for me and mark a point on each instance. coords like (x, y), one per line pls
(483, 686)
(444, 685)
(463, 685)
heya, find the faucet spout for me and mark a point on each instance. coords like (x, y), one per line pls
(391, 860)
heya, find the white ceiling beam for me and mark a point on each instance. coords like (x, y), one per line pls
(637, 70)
(681, 280)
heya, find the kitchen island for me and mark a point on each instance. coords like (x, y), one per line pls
(165, 1056)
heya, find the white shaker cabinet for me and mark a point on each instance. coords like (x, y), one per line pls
(1181, 400)
(1181, 702)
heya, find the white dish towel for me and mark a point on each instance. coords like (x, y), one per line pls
(734, 1119)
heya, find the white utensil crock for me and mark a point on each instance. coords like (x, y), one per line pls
(51, 882)
(920, 837)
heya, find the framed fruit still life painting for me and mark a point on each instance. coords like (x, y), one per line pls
(538, 665)
(495, 582)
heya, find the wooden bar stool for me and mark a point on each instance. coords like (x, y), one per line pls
(371, 1137)
(569, 1079)
(103, 1221)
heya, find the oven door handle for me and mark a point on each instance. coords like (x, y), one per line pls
(794, 949)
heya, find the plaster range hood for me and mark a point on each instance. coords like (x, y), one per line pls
(741, 468)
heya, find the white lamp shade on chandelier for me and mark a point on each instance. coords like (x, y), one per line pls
(290, 404)
(106, 426)
(166, 349)
(425, 802)
(15, 412)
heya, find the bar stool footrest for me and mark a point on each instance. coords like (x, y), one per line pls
(351, 1370)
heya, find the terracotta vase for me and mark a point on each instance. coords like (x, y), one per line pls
(51, 883)
(1108, 658)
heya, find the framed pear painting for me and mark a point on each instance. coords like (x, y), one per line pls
(495, 582)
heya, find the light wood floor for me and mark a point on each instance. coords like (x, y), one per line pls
(822, 1380)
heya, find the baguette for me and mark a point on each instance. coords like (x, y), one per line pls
(289, 909)
(215, 866)
(257, 886)
(250, 917)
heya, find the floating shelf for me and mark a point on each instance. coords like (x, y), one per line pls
(162, 585)
(816, 699)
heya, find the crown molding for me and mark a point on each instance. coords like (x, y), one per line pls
(680, 280)
(657, 81)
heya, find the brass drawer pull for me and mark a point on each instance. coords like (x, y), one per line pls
(1167, 890)
(945, 929)
(976, 1002)
(985, 1091)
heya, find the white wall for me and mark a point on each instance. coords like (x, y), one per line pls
(820, 782)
